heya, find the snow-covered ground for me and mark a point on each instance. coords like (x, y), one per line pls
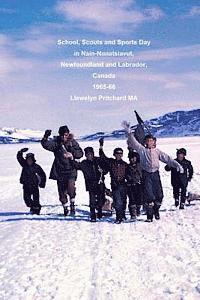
(53, 257)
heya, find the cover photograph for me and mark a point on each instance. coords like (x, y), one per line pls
(99, 149)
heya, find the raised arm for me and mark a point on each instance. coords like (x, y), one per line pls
(46, 144)
(131, 141)
(105, 161)
(134, 144)
(20, 158)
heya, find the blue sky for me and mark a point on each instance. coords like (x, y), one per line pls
(35, 91)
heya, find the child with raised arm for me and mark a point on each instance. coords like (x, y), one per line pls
(93, 172)
(149, 160)
(32, 177)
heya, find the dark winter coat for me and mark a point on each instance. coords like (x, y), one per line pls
(178, 179)
(62, 168)
(31, 176)
(117, 169)
(92, 173)
(133, 174)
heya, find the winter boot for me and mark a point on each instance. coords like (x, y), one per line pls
(35, 210)
(133, 212)
(118, 221)
(99, 214)
(138, 210)
(150, 212)
(72, 208)
(156, 208)
(181, 205)
(119, 218)
(124, 218)
(66, 210)
(176, 202)
(92, 215)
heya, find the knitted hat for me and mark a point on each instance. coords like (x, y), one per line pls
(30, 155)
(181, 151)
(116, 150)
(63, 129)
(132, 154)
(89, 150)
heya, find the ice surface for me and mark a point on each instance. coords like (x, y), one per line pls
(52, 257)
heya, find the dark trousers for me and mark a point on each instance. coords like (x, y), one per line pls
(119, 200)
(135, 197)
(180, 191)
(153, 193)
(66, 187)
(96, 199)
(31, 196)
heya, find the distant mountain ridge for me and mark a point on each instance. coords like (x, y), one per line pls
(174, 124)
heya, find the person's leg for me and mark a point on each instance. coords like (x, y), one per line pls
(36, 201)
(183, 197)
(156, 208)
(72, 194)
(176, 190)
(92, 197)
(27, 196)
(132, 203)
(62, 191)
(158, 192)
(149, 197)
(118, 205)
(123, 199)
(124, 207)
(100, 199)
(138, 198)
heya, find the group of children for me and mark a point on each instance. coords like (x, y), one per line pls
(139, 180)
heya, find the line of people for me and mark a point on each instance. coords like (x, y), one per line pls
(139, 180)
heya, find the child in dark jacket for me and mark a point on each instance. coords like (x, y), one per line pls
(32, 177)
(180, 181)
(94, 181)
(134, 184)
(117, 169)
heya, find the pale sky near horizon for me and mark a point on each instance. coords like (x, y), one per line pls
(35, 91)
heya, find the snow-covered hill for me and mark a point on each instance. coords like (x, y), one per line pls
(14, 135)
(179, 123)
(53, 257)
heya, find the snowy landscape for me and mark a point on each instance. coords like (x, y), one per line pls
(178, 123)
(55, 257)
